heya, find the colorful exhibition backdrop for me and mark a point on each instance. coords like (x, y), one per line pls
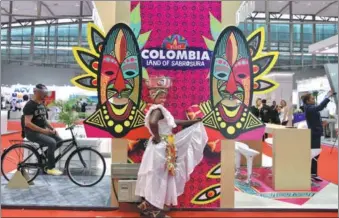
(216, 71)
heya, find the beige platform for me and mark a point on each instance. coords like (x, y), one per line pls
(119, 155)
(227, 174)
(291, 168)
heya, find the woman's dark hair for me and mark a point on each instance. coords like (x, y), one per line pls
(305, 98)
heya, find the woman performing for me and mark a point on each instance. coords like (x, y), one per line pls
(169, 159)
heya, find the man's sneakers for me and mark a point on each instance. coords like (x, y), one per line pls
(54, 172)
(316, 178)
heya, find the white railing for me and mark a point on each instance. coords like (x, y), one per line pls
(96, 18)
(246, 8)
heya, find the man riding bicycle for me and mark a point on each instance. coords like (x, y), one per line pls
(37, 129)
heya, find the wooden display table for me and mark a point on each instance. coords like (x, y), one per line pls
(291, 168)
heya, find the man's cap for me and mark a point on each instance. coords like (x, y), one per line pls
(40, 86)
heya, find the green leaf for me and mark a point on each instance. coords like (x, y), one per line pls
(209, 43)
(142, 39)
(145, 73)
(136, 20)
(67, 115)
(216, 27)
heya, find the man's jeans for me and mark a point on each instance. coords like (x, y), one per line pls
(45, 140)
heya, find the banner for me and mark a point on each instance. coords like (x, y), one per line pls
(175, 54)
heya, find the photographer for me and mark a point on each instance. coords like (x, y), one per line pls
(315, 124)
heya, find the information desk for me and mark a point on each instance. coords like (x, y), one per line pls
(291, 168)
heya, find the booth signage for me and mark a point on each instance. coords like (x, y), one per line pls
(22, 89)
(176, 54)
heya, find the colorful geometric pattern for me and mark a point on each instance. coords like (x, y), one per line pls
(262, 177)
(113, 69)
(262, 63)
(191, 20)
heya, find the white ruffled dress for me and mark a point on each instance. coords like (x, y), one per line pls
(154, 182)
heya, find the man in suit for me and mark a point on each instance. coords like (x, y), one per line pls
(315, 124)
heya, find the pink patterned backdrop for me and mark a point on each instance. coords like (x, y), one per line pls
(190, 20)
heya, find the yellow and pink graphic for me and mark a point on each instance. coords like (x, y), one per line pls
(215, 73)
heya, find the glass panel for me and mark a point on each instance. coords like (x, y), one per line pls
(308, 32)
(296, 32)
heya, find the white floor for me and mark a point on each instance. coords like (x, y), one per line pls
(325, 199)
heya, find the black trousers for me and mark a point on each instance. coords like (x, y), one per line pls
(45, 140)
(315, 143)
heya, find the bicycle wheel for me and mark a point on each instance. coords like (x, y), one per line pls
(20, 157)
(85, 167)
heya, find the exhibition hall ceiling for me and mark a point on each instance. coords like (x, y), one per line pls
(31, 10)
(327, 46)
(319, 8)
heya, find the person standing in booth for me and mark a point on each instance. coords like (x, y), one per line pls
(315, 124)
(255, 109)
(265, 115)
(169, 158)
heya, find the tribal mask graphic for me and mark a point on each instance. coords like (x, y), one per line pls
(231, 79)
(119, 83)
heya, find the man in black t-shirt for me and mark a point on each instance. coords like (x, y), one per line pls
(275, 113)
(265, 112)
(38, 130)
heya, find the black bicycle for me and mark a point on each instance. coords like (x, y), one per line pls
(33, 157)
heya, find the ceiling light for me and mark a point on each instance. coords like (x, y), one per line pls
(336, 44)
(316, 51)
(327, 48)
(77, 5)
(15, 9)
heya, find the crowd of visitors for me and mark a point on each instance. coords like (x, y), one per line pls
(276, 114)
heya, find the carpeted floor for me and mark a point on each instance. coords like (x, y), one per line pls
(57, 191)
(263, 188)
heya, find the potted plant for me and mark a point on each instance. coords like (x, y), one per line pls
(67, 111)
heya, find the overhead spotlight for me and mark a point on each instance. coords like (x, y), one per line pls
(77, 5)
(327, 48)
